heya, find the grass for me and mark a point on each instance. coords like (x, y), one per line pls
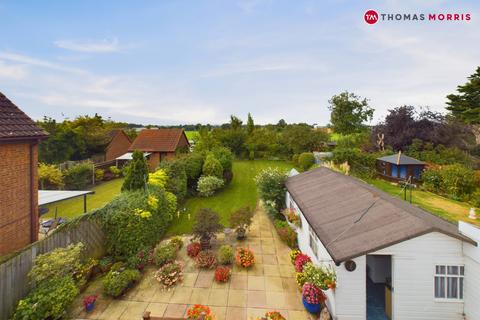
(74, 207)
(239, 193)
(445, 208)
(191, 134)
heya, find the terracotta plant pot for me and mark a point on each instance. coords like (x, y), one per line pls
(205, 243)
(241, 234)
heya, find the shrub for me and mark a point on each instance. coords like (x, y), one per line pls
(222, 274)
(197, 311)
(57, 263)
(78, 176)
(475, 199)
(206, 259)
(177, 242)
(271, 187)
(115, 171)
(136, 173)
(306, 160)
(49, 176)
(207, 223)
(169, 274)
(193, 249)
(300, 261)
(244, 257)
(288, 236)
(143, 258)
(49, 300)
(116, 282)
(241, 219)
(225, 157)
(158, 178)
(361, 163)
(458, 181)
(177, 178)
(207, 185)
(212, 167)
(295, 159)
(432, 180)
(99, 174)
(126, 232)
(280, 224)
(193, 164)
(225, 255)
(164, 253)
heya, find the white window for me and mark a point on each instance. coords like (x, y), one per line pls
(449, 282)
(313, 241)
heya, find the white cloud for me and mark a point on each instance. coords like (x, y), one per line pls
(26, 60)
(12, 71)
(104, 46)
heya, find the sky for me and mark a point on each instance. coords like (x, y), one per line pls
(186, 62)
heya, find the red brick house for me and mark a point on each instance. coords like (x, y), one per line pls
(161, 144)
(118, 145)
(19, 139)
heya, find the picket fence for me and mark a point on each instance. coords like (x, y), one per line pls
(14, 283)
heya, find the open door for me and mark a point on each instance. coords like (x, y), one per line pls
(379, 287)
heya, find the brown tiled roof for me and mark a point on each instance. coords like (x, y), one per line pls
(352, 218)
(157, 140)
(15, 124)
(114, 132)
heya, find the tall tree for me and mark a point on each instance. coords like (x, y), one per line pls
(250, 124)
(349, 112)
(137, 172)
(235, 122)
(465, 106)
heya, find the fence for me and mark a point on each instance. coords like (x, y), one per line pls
(14, 284)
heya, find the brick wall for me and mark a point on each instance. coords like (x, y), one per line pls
(15, 211)
(117, 147)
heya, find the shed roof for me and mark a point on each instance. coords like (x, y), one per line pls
(51, 196)
(352, 218)
(401, 159)
(157, 140)
(15, 124)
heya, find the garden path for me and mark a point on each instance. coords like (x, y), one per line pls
(269, 285)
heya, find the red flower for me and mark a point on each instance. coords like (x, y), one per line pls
(300, 260)
(193, 249)
(222, 274)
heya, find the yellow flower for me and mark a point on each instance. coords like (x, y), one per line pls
(142, 213)
(152, 202)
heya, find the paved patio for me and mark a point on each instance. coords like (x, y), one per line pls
(269, 285)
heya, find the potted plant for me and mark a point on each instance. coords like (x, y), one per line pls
(200, 312)
(293, 218)
(240, 220)
(273, 315)
(312, 298)
(244, 257)
(89, 302)
(206, 225)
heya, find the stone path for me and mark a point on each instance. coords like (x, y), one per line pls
(269, 285)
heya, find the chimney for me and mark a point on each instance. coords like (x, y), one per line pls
(398, 158)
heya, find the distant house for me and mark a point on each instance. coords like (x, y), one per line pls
(161, 144)
(19, 139)
(400, 167)
(392, 260)
(118, 145)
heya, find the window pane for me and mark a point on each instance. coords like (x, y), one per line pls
(452, 288)
(439, 287)
(440, 269)
(461, 288)
(452, 270)
(462, 270)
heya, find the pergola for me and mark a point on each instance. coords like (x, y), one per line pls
(52, 196)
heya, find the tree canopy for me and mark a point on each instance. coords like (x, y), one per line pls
(465, 106)
(349, 112)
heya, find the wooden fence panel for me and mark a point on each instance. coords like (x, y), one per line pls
(14, 284)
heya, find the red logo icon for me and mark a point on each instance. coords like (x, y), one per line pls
(371, 16)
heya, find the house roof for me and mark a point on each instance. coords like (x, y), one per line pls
(352, 218)
(112, 134)
(15, 124)
(400, 159)
(158, 140)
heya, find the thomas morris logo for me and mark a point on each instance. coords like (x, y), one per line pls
(372, 17)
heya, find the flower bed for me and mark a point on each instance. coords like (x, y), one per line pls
(169, 274)
(222, 274)
(193, 249)
(196, 312)
(206, 259)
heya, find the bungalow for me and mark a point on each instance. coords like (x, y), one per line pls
(392, 260)
(118, 144)
(19, 139)
(161, 144)
(400, 167)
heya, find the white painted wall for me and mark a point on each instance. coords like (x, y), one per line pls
(472, 271)
(413, 268)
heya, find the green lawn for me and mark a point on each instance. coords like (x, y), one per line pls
(71, 208)
(191, 134)
(241, 192)
(443, 207)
